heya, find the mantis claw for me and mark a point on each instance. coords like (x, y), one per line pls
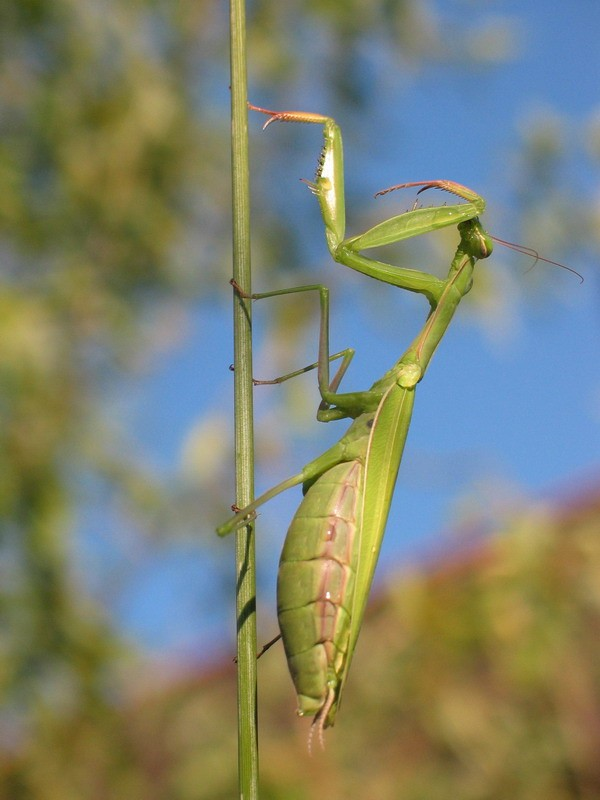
(263, 649)
(239, 291)
(445, 185)
(254, 383)
(311, 185)
(249, 517)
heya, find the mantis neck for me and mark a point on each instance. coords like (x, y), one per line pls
(411, 367)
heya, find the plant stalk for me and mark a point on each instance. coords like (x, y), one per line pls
(244, 436)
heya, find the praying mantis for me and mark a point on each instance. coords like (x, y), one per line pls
(333, 543)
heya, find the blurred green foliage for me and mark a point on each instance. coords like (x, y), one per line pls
(99, 150)
(477, 678)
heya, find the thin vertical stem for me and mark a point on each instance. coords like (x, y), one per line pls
(244, 440)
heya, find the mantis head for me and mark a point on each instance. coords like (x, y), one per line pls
(476, 242)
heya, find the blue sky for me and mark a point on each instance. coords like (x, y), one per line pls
(497, 419)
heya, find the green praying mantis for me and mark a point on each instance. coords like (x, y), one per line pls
(333, 543)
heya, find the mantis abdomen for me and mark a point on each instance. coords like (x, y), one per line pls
(316, 583)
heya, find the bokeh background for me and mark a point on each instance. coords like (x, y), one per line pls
(478, 672)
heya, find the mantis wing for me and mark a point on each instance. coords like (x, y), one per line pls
(384, 453)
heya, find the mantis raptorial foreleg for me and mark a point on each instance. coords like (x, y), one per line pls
(328, 186)
(332, 546)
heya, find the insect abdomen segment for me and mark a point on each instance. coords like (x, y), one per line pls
(316, 582)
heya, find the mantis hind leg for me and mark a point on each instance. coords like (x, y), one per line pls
(320, 465)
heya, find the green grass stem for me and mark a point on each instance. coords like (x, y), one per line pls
(244, 438)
